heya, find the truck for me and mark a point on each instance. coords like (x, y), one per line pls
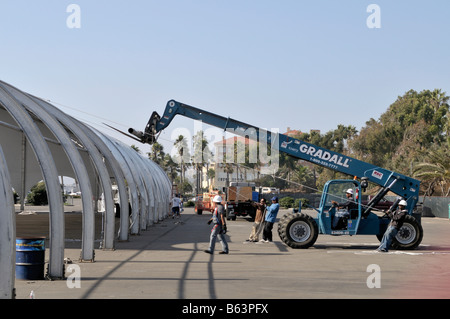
(300, 230)
(238, 199)
(270, 190)
(203, 202)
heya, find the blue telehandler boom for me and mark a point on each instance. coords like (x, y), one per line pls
(299, 230)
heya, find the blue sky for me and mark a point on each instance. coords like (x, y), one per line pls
(275, 64)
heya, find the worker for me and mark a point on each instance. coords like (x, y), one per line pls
(270, 219)
(397, 218)
(344, 209)
(220, 227)
(259, 220)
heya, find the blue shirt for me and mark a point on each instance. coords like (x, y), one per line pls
(272, 212)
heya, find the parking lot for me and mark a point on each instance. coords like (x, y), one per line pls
(167, 261)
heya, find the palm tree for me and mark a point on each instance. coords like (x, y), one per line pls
(170, 167)
(253, 159)
(200, 156)
(288, 164)
(157, 154)
(447, 128)
(436, 170)
(183, 153)
(227, 168)
(303, 176)
(136, 148)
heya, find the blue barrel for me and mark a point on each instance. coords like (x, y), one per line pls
(30, 258)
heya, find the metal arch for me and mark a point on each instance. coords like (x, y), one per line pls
(159, 213)
(88, 230)
(50, 176)
(147, 182)
(157, 178)
(133, 190)
(151, 186)
(155, 194)
(164, 200)
(126, 151)
(136, 191)
(118, 174)
(160, 198)
(168, 184)
(154, 190)
(7, 232)
(136, 170)
(71, 124)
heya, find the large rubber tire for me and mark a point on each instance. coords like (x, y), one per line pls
(298, 230)
(281, 222)
(409, 236)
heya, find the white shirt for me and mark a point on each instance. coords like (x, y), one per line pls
(176, 202)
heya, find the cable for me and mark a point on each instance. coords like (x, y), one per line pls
(311, 188)
(90, 114)
(123, 125)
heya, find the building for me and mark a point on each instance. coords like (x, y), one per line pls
(292, 133)
(230, 161)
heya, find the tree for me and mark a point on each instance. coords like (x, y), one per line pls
(447, 129)
(253, 161)
(372, 145)
(170, 167)
(38, 194)
(287, 165)
(428, 106)
(185, 187)
(183, 153)
(228, 169)
(304, 176)
(200, 157)
(136, 148)
(335, 140)
(157, 154)
(411, 125)
(435, 171)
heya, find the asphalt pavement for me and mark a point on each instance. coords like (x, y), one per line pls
(167, 261)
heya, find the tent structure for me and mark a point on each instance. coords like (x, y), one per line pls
(40, 142)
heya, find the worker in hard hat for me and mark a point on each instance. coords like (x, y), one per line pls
(344, 209)
(220, 227)
(397, 218)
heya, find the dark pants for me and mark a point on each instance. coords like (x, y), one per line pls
(267, 232)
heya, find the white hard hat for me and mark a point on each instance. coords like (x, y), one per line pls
(349, 191)
(403, 203)
(217, 199)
